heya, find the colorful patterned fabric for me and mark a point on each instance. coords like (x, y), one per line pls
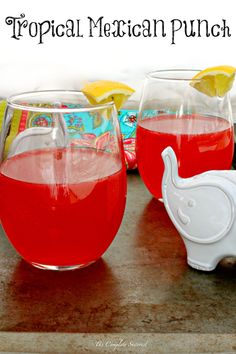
(80, 127)
(128, 125)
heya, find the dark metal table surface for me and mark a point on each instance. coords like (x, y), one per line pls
(142, 290)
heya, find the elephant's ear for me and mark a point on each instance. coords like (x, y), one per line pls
(206, 213)
(31, 138)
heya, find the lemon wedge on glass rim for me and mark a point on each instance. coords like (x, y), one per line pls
(104, 91)
(214, 81)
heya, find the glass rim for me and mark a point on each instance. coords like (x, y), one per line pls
(23, 107)
(160, 75)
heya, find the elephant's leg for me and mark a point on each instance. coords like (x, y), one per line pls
(204, 256)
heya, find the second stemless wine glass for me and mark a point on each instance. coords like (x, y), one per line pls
(173, 113)
(62, 178)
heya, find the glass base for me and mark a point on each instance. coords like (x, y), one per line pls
(61, 268)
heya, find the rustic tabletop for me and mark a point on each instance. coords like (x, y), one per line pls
(140, 297)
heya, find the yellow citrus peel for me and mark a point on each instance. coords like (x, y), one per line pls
(104, 91)
(214, 81)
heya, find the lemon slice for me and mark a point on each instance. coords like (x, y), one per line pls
(214, 81)
(15, 123)
(103, 91)
(3, 105)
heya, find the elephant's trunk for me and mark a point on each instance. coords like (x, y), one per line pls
(171, 167)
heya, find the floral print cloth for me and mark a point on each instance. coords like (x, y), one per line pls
(80, 127)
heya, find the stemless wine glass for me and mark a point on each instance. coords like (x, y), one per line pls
(173, 113)
(62, 178)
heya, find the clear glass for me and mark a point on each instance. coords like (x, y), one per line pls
(62, 178)
(173, 113)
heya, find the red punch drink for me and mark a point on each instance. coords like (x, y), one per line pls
(200, 142)
(65, 205)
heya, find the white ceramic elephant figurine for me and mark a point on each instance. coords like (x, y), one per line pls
(35, 138)
(41, 137)
(203, 210)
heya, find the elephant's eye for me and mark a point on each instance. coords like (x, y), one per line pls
(191, 203)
